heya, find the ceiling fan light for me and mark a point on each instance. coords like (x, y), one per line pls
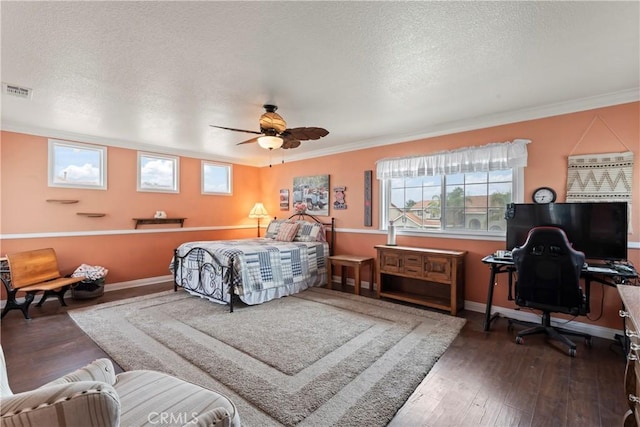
(270, 142)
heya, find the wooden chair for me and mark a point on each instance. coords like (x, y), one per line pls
(32, 272)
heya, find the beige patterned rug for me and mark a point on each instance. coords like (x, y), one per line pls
(319, 358)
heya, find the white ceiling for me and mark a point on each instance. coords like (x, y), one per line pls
(154, 75)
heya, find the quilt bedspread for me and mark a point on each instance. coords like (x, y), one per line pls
(260, 264)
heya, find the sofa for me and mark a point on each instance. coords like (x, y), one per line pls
(95, 396)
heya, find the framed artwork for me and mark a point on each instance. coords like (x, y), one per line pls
(217, 178)
(338, 198)
(158, 173)
(284, 199)
(77, 165)
(311, 194)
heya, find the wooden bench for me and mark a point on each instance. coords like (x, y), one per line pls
(32, 272)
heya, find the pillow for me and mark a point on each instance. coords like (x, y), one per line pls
(273, 227)
(287, 231)
(310, 232)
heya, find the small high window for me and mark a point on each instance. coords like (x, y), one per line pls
(77, 165)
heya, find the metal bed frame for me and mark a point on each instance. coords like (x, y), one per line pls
(221, 273)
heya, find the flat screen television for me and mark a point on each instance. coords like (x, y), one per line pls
(597, 229)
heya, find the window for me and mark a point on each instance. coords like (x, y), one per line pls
(460, 191)
(217, 178)
(158, 173)
(77, 165)
(460, 202)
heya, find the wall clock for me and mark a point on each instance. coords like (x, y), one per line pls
(544, 195)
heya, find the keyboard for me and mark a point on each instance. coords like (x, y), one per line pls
(605, 270)
(503, 255)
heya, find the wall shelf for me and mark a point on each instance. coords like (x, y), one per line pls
(62, 201)
(91, 214)
(143, 221)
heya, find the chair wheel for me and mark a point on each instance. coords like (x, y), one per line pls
(572, 352)
(519, 340)
(587, 342)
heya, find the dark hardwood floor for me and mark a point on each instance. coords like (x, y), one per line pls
(483, 379)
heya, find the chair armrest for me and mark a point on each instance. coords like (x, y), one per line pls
(218, 417)
(80, 403)
(99, 370)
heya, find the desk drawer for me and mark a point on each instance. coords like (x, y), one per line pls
(630, 298)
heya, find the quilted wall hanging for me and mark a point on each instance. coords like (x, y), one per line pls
(604, 177)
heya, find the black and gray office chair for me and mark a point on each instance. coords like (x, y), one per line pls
(548, 279)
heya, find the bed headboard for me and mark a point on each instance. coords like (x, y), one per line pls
(329, 227)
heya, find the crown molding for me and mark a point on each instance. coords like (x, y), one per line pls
(465, 125)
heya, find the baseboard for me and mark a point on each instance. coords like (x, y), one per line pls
(593, 330)
(113, 287)
(351, 282)
(138, 282)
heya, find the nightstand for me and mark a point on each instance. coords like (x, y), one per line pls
(354, 261)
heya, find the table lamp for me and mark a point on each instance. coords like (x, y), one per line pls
(258, 211)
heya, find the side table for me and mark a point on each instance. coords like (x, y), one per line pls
(354, 261)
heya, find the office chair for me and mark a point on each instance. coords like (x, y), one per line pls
(548, 279)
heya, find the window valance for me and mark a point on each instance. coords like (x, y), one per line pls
(494, 156)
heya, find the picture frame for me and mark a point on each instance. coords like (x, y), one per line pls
(77, 165)
(158, 173)
(311, 194)
(284, 199)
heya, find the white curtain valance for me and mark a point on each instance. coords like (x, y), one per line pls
(494, 156)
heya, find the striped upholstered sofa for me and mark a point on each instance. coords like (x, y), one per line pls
(95, 396)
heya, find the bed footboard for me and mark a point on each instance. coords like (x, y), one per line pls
(200, 272)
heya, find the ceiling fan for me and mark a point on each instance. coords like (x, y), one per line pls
(274, 133)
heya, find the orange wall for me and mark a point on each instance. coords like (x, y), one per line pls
(136, 255)
(128, 254)
(553, 139)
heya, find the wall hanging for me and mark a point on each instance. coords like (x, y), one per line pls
(338, 197)
(604, 177)
(368, 220)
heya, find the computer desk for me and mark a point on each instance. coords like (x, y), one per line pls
(599, 274)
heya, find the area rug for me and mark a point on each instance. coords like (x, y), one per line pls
(318, 358)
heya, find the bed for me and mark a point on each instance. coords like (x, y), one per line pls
(289, 259)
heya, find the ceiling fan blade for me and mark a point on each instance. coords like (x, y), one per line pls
(306, 133)
(249, 141)
(237, 130)
(290, 143)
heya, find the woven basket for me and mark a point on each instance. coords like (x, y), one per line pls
(88, 289)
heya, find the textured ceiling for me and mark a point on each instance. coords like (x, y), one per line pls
(155, 75)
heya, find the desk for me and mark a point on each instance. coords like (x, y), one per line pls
(605, 276)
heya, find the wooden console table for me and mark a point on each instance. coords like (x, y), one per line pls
(430, 277)
(143, 221)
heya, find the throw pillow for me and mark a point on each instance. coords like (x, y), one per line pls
(310, 232)
(272, 229)
(287, 231)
